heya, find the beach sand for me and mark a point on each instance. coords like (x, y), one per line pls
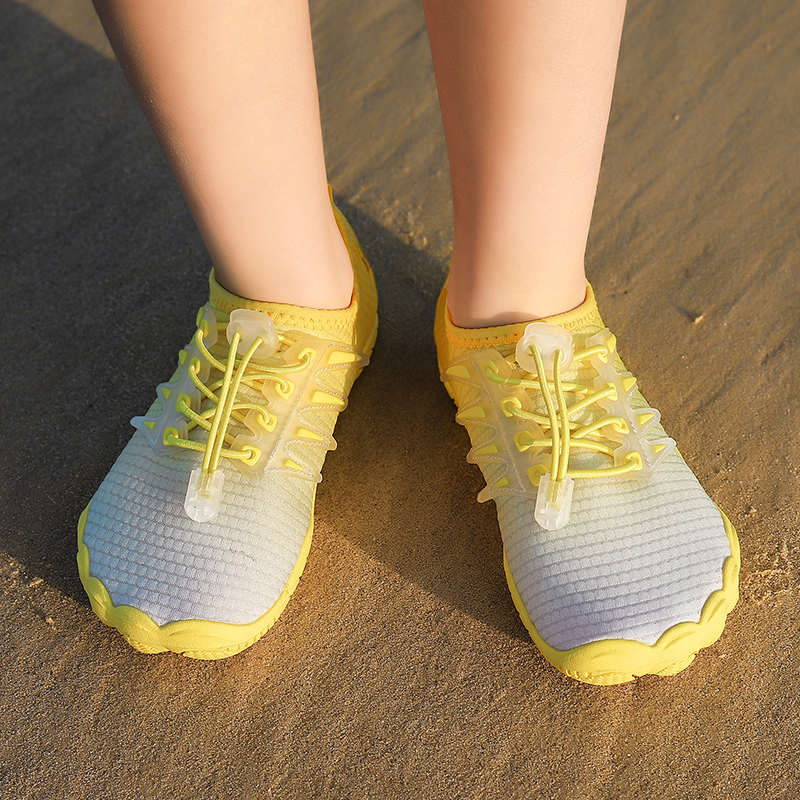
(400, 668)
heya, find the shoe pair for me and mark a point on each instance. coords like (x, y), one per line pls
(618, 562)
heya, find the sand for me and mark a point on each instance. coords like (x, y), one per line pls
(400, 668)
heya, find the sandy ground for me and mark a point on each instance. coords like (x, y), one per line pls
(400, 669)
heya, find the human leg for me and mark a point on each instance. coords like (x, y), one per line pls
(525, 91)
(230, 91)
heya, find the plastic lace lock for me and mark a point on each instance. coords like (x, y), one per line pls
(548, 339)
(252, 325)
(553, 502)
(203, 495)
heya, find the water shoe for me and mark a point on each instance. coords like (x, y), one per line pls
(198, 535)
(618, 562)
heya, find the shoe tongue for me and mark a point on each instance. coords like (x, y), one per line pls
(582, 322)
(337, 324)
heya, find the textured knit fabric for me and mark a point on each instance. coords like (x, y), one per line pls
(150, 555)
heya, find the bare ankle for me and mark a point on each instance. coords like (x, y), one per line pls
(312, 272)
(481, 304)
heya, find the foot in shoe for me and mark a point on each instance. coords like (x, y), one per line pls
(618, 562)
(198, 536)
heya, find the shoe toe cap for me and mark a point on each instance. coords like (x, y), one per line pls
(635, 562)
(149, 555)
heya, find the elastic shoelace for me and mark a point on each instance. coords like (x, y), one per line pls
(222, 394)
(564, 433)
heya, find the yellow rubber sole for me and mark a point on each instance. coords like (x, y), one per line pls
(612, 661)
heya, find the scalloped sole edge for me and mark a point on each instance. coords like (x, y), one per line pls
(613, 661)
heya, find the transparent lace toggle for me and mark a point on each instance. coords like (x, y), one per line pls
(553, 502)
(203, 495)
(252, 325)
(548, 339)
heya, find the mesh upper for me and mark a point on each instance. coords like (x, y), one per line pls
(635, 559)
(150, 555)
